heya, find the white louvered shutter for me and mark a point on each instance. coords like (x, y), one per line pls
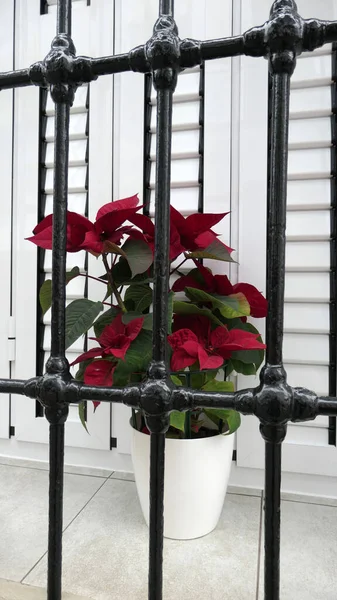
(90, 186)
(307, 293)
(6, 143)
(199, 20)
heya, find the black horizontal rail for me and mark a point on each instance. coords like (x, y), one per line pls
(281, 39)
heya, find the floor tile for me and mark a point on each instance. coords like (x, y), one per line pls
(15, 591)
(24, 515)
(106, 552)
(308, 552)
(123, 475)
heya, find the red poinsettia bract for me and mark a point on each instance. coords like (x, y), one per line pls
(197, 342)
(203, 279)
(146, 234)
(95, 237)
(114, 341)
(195, 230)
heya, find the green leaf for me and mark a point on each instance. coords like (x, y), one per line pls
(138, 297)
(81, 413)
(230, 417)
(80, 315)
(121, 274)
(214, 385)
(45, 290)
(138, 356)
(216, 250)
(130, 316)
(105, 319)
(177, 420)
(176, 380)
(243, 368)
(235, 305)
(138, 255)
(188, 308)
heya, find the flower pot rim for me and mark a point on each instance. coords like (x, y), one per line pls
(222, 435)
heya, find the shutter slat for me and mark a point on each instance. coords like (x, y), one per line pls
(306, 347)
(301, 287)
(310, 133)
(310, 102)
(306, 318)
(313, 163)
(310, 194)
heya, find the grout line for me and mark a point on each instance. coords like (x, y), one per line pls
(259, 549)
(46, 470)
(309, 503)
(64, 530)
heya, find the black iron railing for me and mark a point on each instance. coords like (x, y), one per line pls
(274, 402)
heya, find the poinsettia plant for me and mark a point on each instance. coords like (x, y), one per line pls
(209, 334)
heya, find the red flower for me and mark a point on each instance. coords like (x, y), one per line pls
(107, 228)
(82, 234)
(195, 231)
(115, 341)
(197, 342)
(147, 234)
(77, 228)
(203, 279)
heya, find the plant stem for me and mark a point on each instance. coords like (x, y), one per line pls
(178, 267)
(94, 278)
(112, 284)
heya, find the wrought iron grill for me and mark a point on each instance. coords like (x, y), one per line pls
(281, 39)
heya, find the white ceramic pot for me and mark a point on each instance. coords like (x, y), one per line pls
(196, 478)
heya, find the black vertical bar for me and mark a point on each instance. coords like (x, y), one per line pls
(333, 251)
(201, 138)
(56, 463)
(157, 467)
(162, 221)
(276, 216)
(160, 327)
(166, 7)
(272, 515)
(63, 17)
(57, 412)
(59, 229)
(147, 143)
(276, 228)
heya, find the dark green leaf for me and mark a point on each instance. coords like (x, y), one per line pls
(216, 250)
(45, 290)
(138, 297)
(130, 316)
(139, 256)
(105, 319)
(177, 420)
(229, 417)
(121, 274)
(81, 413)
(80, 315)
(243, 368)
(214, 385)
(188, 308)
(232, 306)
(138, 356)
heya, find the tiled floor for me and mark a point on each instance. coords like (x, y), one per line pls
(105, 542)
